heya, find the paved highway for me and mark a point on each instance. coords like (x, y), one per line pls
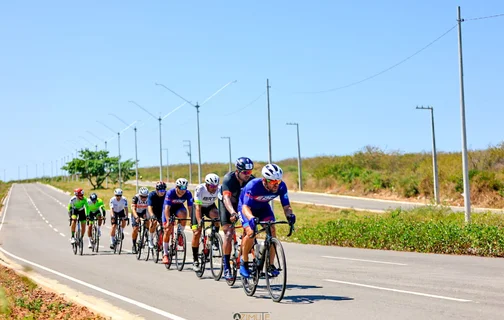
(338, 201)
(324, 282)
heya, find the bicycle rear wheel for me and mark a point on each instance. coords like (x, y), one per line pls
(216, 265)
(276, 284)
(81, 244)
(202, 256)
(94, 236)
(181, 250)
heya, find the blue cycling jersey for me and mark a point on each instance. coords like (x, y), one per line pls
(256, 196)
(172, 198)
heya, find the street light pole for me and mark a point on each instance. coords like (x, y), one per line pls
(300, 171)
(269, 125)
(190, 159)
(197, 106)
(167, 166)
(434, 154)
(229, 143)
(465, 161)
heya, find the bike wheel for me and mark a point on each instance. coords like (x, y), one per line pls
(171, 251)
(202, 256)
(140, 243)
(234, 264)
(120, 234)
(181, 250)
(216, 265)
(74, 247)
(145, 248)
(81, 244)
(276, 284)
(250, 284)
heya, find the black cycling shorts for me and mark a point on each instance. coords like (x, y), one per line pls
(205, 212)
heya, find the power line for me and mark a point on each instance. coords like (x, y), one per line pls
(385, 70)
(487, 17)
(249, 104)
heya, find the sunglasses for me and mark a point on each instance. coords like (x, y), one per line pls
(273, 182)
(182, 188)
(246, 172)
(213, 185)
(161, 191)
(143, 197)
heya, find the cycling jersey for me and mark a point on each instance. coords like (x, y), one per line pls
(231, 186)
(95, 206)
(203, 197)
(172, 198)
(78, 205)
(156, 202)
(118, 205)
(256, 196)
(141, 205)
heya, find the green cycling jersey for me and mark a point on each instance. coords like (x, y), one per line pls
(96, 206)
(77, 204)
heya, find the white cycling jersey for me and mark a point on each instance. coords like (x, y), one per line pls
(203, 197)
(118, 206)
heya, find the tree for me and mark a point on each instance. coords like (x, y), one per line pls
(96, 166)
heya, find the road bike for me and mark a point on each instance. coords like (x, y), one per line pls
(210, 250)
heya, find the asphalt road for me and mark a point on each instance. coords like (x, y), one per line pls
(323, 282)
(338, 201)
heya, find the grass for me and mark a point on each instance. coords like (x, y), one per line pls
(426, 229)
(4, 189)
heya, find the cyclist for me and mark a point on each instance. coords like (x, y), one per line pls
(96, 209)
(138, 210)
(118, 210)
(155, 202)
(204, 199)
(174, 206)
(254, 204)
(229, 193)
(78, 208)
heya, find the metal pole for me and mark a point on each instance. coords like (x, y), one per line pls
(465, 163)
(199, 145)
(119, 145)
(106, 179)
(160, 153)
(434, 159)
(136, 160)
(299, 161)
(269, 123)
(230, 161)
(190, 160)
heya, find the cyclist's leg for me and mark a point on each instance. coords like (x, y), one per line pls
(228, 229)
(82, 220)
(247, 240)
(134, 226)
(268, 215)
(181, 214)
(92, 216)
(100, 217)
(196, 228)
(152, 228)
(73, 217)
(123, 221)
(167, 230)
(113, 221)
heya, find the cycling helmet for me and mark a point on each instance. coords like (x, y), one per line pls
(212, 178)
(79, 192)
(143, 191)
(160, 185)
(244, 163)
(118, 192)
(182, 183)
(93, 196)
(272, 171)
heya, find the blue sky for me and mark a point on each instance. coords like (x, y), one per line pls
(66, 64)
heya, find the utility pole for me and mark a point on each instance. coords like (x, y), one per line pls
(300, 172)
(434, 154)
(269, 123)
(229, 143)
(189, 153)
(465, 161)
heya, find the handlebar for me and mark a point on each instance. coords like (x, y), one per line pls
(268, 225)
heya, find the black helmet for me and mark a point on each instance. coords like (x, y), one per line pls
(244, 163)
(93, 196)
(160, 185)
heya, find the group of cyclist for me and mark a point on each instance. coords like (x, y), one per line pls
(241, 196)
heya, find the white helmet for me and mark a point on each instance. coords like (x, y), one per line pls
(118, 192)
(272, 171)
(143, 191)
(182, 183)
(212, 178)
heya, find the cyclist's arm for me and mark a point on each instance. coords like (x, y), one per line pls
(284, 199)
(198, 202)
(287, 211)
(247, 211)
(166, 211)
(126, 208)
(112, 208)
(226, 198)
(101, 206)
(133, 208)
(198, 213)
(190, 203)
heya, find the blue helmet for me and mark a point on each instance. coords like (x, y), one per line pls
(244, 163)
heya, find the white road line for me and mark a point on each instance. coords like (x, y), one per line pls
(56, 230)
(397, 290)
(364, 260)
(104, 291)
(62, 234)
(50, 225)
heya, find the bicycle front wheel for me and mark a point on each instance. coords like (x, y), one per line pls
(81, 244)
(216, 265)
(181, 251)
(276, 280)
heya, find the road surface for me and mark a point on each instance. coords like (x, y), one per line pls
(337, 201)
(323, 282)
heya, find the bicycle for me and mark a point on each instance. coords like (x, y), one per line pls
(261, 261)
(234, 259)
(207, 246)
(157, 240)
(143, 241)
(179, 246)
(79, 243)
(119, 234)
(95, 237)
